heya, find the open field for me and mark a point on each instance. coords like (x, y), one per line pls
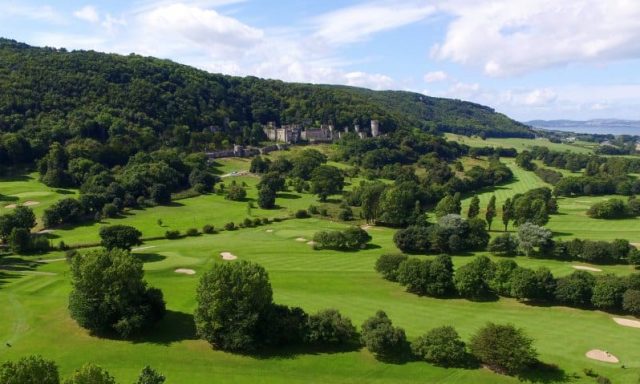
(520, 144)
(36, 319)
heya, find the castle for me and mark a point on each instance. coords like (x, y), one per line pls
(295, 133)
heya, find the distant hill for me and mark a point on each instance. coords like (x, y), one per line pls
(56, 95)
(597, 126)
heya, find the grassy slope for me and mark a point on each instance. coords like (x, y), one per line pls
(35, 315)
(519, 144)
(36, 318)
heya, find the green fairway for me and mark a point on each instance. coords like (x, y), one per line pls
(520, 144)
(36, 318)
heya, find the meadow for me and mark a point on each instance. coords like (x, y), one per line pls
(35, 319)
(521, 144)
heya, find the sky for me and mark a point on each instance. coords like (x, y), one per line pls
(529, 59)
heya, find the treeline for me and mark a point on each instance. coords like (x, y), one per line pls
(615, 209)
(482, 280)
(35, 369)
(132, 103)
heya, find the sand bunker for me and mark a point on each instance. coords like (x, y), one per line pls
(311, 242)
(185, 271)
(269, 230)
(228, 256)
(600, 355)
(10, 206)
(44, 231)
(30, 203)
(302, 239)
(627, 322)
(585, 268)
(143, 248)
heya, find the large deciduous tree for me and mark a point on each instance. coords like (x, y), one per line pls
(326, 180)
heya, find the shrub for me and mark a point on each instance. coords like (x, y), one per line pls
(265, 220)
(631, 301)
(575, 289)
(301, 214)
(207, 228)
(345, 214)
(381, 338)
(472, 280)
(172, 234)
(192, 232)
(109, 210)
(29, 370)
(387, 265)
(229, 226)
(90, 373)
(247, 222)
(150, 376)
(109, 294)
(281, 325)
(505, 244)
(313, 210)
(413, 239)
(608, 292)
(236, 193)
(257, 222)
(329, 327)
(503, 348)
(441, 346)
(120, 236)
(609, 209)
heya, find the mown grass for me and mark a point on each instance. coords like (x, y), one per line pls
(35, 318)
(520, 144)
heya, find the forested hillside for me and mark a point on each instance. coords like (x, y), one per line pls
(132, 103)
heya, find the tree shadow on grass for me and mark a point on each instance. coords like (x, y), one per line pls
(64, 192)
(289, 196)
(5, 277)
(545, 373)
(148, 257)
(17, 264)
(8, 198)
(292, 351)
(174, 327)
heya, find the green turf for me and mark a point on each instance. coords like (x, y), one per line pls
(520, 144)
(36, 318)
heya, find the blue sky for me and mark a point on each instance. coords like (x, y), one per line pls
(530, 59)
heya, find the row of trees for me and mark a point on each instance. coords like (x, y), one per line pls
(615, 209)
(15, 231)
(37, 370)
(482, 279)
(351, 238)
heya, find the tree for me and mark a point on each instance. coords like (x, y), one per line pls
(381, 338)
(266, 197)
(120, 236)
(56, 165)
(21, 217)
(29, 370)
(64, 211)
(631, 301)
(441, 346)
(306, 162)
(329, 327)
(491, 211)
(474, 207)
(447, 205)
(160, 194)
(236, 193)
(370, 201)
(19, 241)
(608, 292)
(273, 180)
(326, 180)
(90, 374)
(524, 284)
(505, 244)
(387, 265)
(506, 213)
(150, 376)
(472, 280)
(109, 294)
(413, 239)
(356, 237)
(531, 236)
(503, 348)
(231, 299)
(575, 289)
(502, 277)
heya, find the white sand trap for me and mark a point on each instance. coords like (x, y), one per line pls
(302, 239)
(228, 256)
(44, 231)
(269, 230)
(637, 245)
(585, 268)
(30, 203)
(311, 242)
(185, 271)
(10, 206)
(52, 260)
(143, 248)
(600, 355)
(627, 322)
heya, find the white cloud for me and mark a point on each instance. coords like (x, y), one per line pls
(435, 76)
(358, 22)
(32, 12)
(374, 81)
(506, 37)
(87, 13)
(539, 97)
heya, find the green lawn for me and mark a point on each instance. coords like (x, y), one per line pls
(520, 144)
(35, 318)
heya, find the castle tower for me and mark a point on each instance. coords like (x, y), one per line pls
(375, 128)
